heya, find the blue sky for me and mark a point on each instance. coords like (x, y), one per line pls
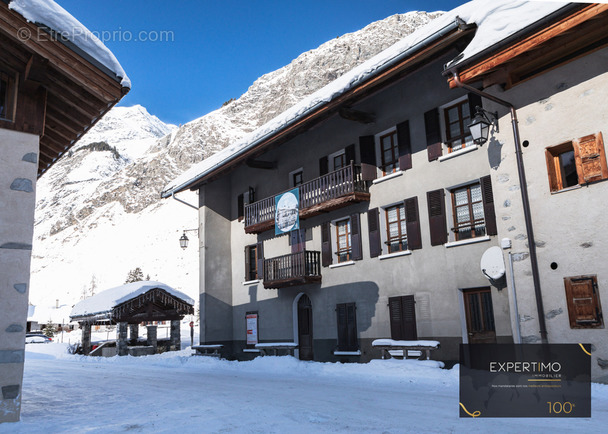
(210, 51)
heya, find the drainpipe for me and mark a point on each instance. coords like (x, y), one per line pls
(525, 201)
(183, 201)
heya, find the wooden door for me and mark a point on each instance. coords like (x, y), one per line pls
(480, 315)
(305, 328)
(402, 313)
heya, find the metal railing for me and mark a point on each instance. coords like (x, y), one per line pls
(297, 265)
(336, 184)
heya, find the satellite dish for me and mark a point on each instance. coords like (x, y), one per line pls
(492, 263)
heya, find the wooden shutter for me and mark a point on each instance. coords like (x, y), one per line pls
(590, 158)
(583, 301)
(433, 134)
(247, 263)
(355, 237)
(297, 240)
(323, 166)
(488, 205)
(402, 313)
(240, 207)
(342, 314)
(396, 317)
(326, 256)
(251, 195)
(412, 223)
(554, 182)
(373, 225)
(349, 154)
(437, 219)
(474, 101)
(260, 255)
(405, 145)
(367, 149)
(347, 327)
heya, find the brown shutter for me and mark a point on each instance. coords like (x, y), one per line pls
(349, 154)
(583, 301)
(240, 207)
(342, 315)
(247, 263)
(437, 219)
(433, 134)
(355, 237)
(405, 145)
(351, 325)
(554, 182)
(412, 223)
(488, 205)
(367, 149)
(590, 158)
(260, 255)
(326, 256)
(409, 318)
(396, 317)
(474, 101)
(323, 166)
(373, 225)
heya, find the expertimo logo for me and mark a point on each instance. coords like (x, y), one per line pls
(521, 367)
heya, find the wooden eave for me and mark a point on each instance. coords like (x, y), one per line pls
(579, 32)
(153, 305)
(391, 75)
(62, 93)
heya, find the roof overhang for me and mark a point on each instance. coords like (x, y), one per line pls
(393, 70)
(62, 91)
(563, 36)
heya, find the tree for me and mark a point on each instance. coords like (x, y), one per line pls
(93, 285)
(135, 275)
(49, 329)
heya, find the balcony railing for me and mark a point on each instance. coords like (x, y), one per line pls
(293, 269)
(325, 193)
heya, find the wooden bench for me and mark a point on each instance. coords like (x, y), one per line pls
(207, 350)
(288, 347)
(386, 346)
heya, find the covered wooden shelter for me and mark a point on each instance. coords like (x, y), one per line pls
(133, 304)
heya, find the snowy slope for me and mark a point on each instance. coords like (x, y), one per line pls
(99, 213)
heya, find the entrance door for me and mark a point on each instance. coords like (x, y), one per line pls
(402, 312)
(480, 315)
(305, 327)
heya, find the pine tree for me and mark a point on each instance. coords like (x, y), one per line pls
(135, 275)
(93, 285)
(49, 329)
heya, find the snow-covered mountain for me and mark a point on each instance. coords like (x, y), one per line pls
(99, 213)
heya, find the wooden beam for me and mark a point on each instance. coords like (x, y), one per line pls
(259, 164)
(473, 72)
(357, 116)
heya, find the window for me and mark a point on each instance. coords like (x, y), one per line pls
(338, 161)
(343, 240)
(389, 153)
(347, 327)
(479, 315)
(578, 162)
(457, 119)
(396, 231)
(243, 200)
(582, 297)
(6, 96)
(297, 178)
(402, 314)
(251, 262)
(469, 220)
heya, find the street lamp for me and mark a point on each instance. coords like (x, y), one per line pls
(183, 240)
(480, 125)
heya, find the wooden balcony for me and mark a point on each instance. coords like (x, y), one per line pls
(334, 190)
(294, 269)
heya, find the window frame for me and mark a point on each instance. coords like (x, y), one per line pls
(332, 160)
(461, 138)
(251, 271)
(394, 148)
(348, 250)
(456, 228)
(292, 177)
(401, 239)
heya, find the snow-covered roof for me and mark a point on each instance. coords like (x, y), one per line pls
(495, 20)
(106, 300)
(42, 314)
(49, 14)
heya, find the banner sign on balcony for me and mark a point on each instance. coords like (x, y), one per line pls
(515, 380)
(287, 212)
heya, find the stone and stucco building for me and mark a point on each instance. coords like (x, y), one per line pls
(397, 204)
(52, 90)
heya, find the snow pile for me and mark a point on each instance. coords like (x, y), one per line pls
(105, 301)
(50, 14)
(495, 20)
(391, 342)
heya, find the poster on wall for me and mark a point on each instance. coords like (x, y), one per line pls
(252, 329)
(287, 213)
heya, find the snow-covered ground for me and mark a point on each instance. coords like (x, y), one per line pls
(176, 393)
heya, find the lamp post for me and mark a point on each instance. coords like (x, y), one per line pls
(183, 240)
